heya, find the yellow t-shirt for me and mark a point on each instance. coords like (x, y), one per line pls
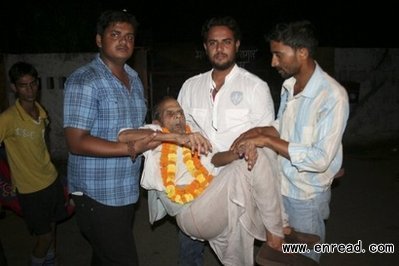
(27, 153)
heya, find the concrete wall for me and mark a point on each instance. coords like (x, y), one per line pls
(53, 70)
(371, 77)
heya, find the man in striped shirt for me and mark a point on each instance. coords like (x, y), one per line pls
(307, 133)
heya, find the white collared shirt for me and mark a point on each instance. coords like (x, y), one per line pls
(243, 102)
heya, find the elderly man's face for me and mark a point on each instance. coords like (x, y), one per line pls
(172, 116)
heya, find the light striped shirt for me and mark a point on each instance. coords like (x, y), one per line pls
(313, 122)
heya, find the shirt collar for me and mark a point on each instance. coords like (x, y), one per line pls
(25, 116)
(108, 73)
(232, 73)
(312, 87)
(229, 76)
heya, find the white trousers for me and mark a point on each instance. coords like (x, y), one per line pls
(236, 208)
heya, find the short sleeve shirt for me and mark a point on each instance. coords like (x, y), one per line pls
(96, 101)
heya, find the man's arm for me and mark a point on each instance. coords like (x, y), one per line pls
(81, 142)
(247, 143)
(255, 132)
(223, 158)
(133, 134)
(194, 141)
(262, 105)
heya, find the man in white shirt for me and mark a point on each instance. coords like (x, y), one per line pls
(227, 100)
(222, 103)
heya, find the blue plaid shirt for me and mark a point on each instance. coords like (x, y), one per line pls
(96, 101)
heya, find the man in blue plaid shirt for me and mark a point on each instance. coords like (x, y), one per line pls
(101, 98)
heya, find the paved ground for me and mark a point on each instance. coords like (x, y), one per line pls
(364, 209)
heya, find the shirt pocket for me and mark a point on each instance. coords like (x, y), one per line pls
(199, 116)
(235, 119)
(109, 113)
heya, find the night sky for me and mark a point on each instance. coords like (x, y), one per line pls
(69, 26)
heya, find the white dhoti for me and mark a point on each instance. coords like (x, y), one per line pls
(237, 207)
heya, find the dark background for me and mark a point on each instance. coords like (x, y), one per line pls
(69, 26)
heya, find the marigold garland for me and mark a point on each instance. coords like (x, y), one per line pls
(202, 178)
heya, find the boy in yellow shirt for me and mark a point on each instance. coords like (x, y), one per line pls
(34, 176)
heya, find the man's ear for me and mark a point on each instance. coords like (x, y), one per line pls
(157, 122)
(98, 40)
(13, 88)
(303, 52)
(238, 43)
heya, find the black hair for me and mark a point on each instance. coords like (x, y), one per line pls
(20, 69)
(227, 21)
(110, 17)
(298, 34)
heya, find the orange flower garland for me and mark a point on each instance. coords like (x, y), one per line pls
(202, 178)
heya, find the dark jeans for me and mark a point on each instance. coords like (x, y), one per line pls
(108, 230)
(191, 252)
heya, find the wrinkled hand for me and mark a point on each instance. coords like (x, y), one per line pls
(196, 142)
(246, 147)
(147, 143)
(253, 132)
